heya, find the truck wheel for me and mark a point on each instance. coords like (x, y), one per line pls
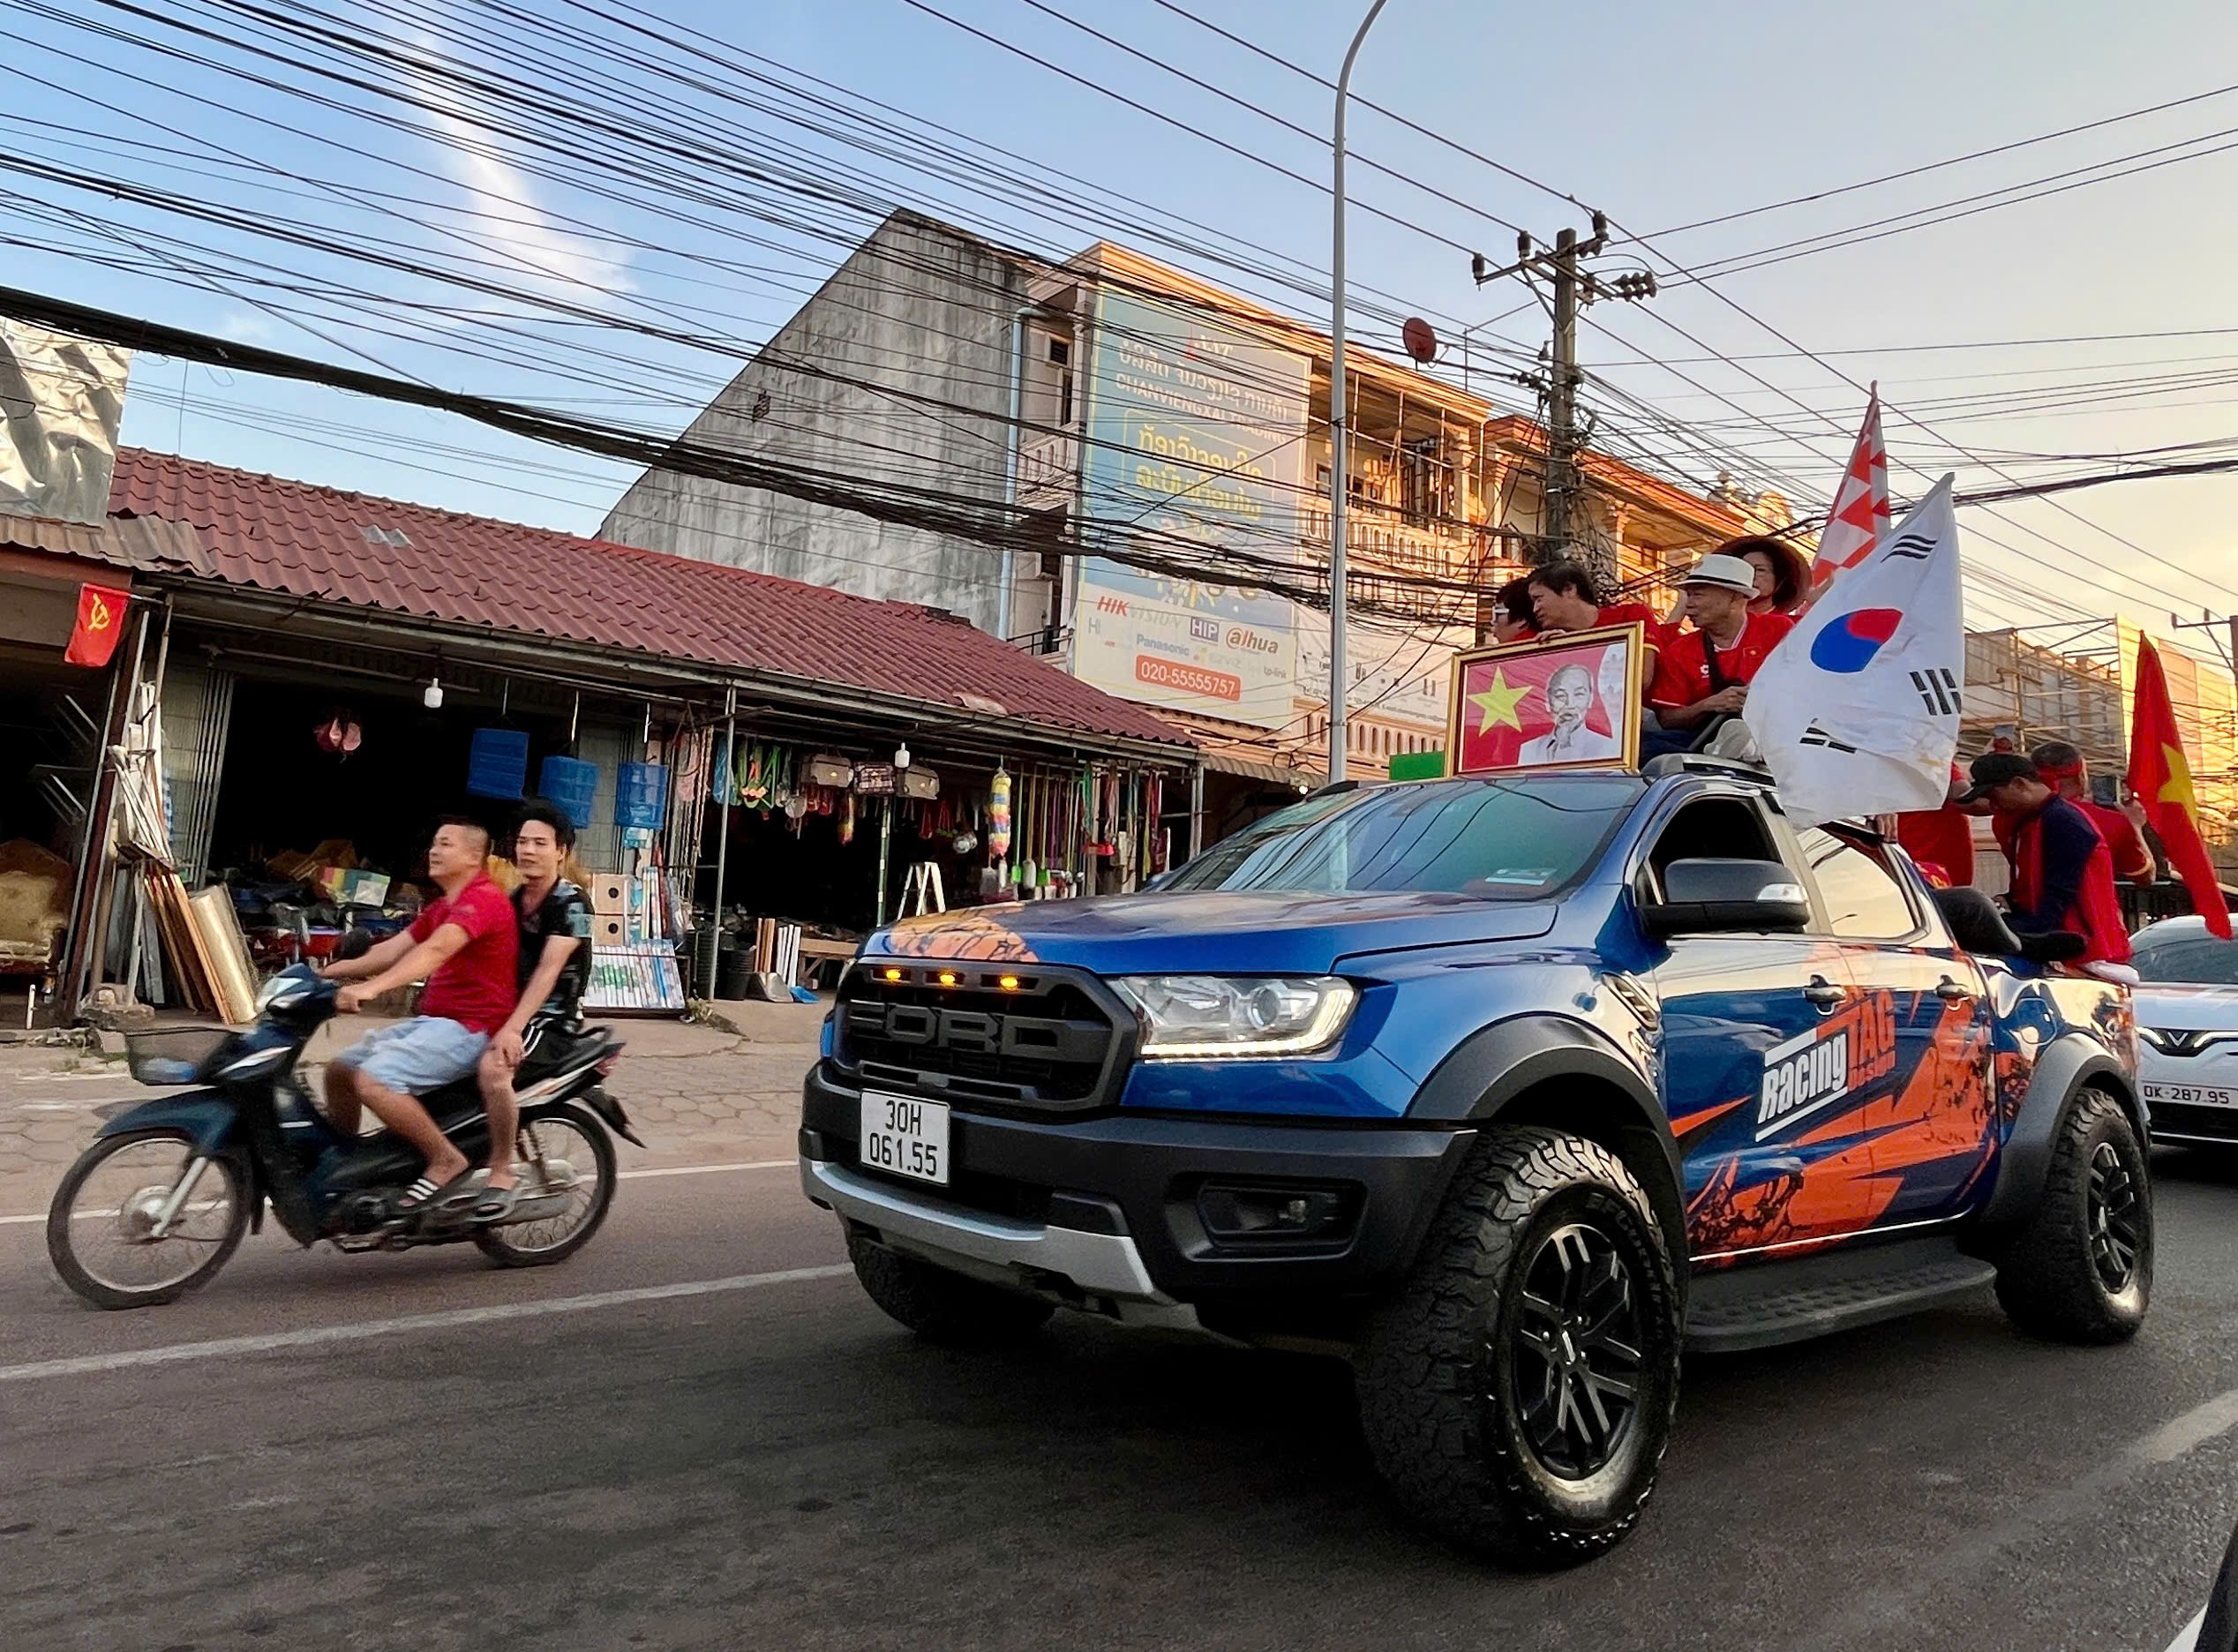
(1518, 1395)
(2082, 1270)
(942, 1306)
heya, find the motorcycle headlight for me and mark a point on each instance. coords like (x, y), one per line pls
(1196, 1018)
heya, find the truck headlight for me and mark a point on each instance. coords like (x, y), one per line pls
(1195, 1017)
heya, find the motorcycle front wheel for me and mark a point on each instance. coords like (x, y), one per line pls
(102, 1229)
(564, 1168)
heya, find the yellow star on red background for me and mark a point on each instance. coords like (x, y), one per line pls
(1499, 704)
(2177, 788)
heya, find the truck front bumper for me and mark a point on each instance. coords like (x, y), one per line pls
(1137, 1215)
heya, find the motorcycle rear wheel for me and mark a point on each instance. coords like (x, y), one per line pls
(568, 1133)
(105, 1251)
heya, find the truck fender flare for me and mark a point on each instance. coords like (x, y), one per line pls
(204, 1116)
(1492, 1070)
(2070, 1064)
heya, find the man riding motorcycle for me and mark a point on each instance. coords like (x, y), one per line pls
(465, 945)
(553, 918)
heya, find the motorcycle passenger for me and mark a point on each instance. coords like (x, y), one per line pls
(465, 946)
(553, 920)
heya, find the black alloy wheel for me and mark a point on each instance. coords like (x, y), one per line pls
(2115, 1208)
(1577, 1352)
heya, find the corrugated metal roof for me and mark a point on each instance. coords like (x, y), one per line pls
(301, 540)
(142, 543)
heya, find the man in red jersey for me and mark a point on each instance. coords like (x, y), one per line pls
(1705, 672)
(1564, 598)
(2062, 872)
(2063, 769)
(466, 946)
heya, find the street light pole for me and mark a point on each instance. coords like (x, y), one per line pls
(1340, 427)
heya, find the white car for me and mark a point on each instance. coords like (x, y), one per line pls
(2187, 1007)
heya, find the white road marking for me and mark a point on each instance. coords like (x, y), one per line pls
(758, 1164)
(2188, 1637)
(221, 1347)
(619, 1175)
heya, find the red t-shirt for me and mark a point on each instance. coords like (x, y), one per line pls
(1941, 837)
(2132, 859)
(478, 985)
(1682, 673)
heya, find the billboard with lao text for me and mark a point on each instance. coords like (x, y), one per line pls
(1195, 447)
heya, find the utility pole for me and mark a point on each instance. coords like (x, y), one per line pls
(1574, 288)
(1561, 490)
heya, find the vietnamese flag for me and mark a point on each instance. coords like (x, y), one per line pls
(101, 621)
(1503, 703)
(2161, 776)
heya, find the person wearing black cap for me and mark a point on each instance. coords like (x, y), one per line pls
(2063, 871)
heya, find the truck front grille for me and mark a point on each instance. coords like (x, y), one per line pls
(1052, 1039)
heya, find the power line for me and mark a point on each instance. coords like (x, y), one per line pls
(1937, 166)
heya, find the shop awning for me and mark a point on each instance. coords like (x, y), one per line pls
(704, 621)
(135, 542)
(1249, 769)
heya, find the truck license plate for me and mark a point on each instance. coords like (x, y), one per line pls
(906, 1136)
(2189, 1095)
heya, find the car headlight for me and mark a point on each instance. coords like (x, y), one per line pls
(1200, 1017)
(2153, 1036)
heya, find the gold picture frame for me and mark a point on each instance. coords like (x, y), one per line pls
(1490, 718)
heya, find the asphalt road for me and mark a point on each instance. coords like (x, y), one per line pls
(698, 1434)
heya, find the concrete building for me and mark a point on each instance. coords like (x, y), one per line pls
(897, 373)
(1134, 413)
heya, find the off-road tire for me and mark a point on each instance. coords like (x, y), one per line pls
(942, 1306)
(1438, 1381)
(2048, 1282)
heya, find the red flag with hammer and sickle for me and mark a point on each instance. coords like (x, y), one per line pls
(101, 621)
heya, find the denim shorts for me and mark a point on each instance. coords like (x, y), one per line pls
(416, 1056)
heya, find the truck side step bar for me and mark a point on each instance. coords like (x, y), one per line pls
(1763, 1306)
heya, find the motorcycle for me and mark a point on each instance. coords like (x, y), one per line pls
(162, 1200)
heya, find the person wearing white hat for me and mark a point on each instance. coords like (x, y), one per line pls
(1704, 673)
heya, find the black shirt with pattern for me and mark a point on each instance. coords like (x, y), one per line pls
(564, 911)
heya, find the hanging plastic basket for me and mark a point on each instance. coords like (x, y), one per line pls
(641, 796)
(569, 783)
(497, 763)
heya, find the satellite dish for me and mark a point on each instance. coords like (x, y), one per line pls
(1420, 339)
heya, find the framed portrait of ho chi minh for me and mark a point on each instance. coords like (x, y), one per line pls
(1570, 700)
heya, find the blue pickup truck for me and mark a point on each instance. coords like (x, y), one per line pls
(1507, 1091)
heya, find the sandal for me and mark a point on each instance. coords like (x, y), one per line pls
(454, 1198)
(495, 1204)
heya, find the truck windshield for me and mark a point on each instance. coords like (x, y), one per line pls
(1505, 839)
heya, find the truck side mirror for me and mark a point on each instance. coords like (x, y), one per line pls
(1718, 897)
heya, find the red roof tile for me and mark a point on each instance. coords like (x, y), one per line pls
(307, 541)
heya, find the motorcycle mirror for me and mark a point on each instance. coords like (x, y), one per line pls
(354, 943)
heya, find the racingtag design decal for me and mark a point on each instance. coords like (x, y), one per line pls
(1840, 1056)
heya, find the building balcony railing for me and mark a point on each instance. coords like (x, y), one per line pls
(1375, 536)
(1049, 465)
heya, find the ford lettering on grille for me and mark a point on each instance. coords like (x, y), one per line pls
(979, 1045)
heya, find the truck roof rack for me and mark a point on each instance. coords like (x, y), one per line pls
(1695, 763)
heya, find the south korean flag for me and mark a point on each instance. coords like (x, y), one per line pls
(1857, 710)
